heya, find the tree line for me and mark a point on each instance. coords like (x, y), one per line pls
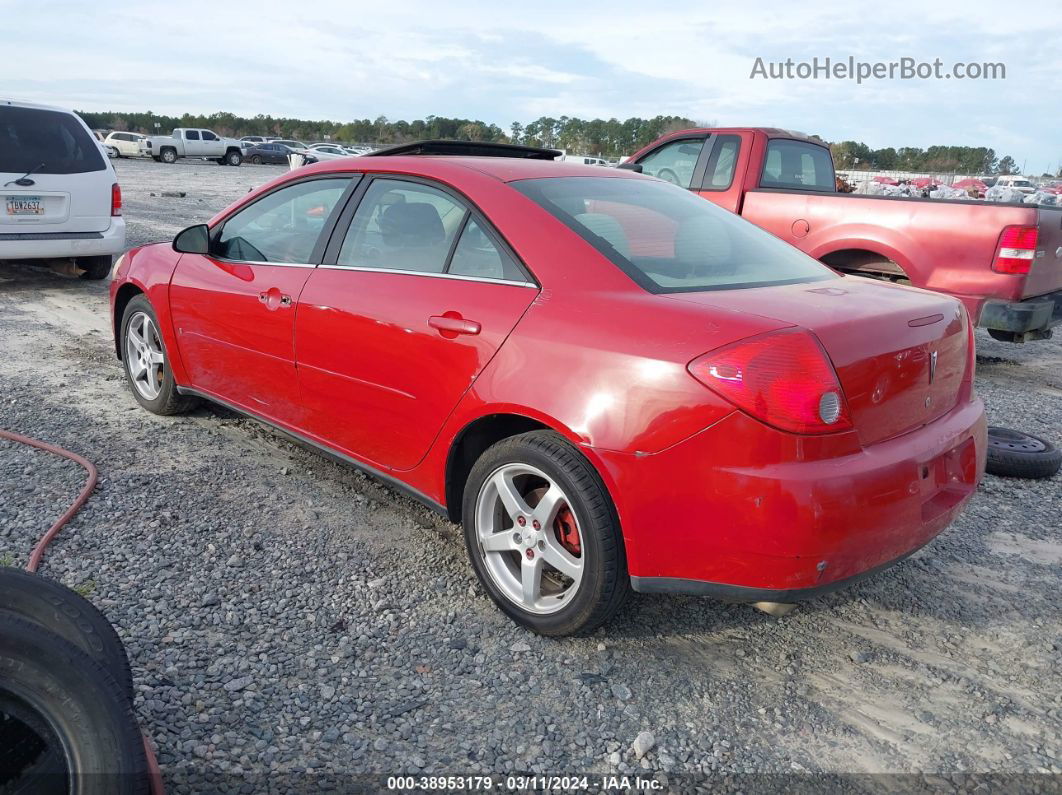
(598, 137)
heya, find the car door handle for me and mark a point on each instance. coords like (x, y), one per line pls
(450, 326)
(273, 298)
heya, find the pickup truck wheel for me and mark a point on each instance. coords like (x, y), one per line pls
(94, 268)
(1021, 455)
(168, 156)
(543, 536)
(234, 158)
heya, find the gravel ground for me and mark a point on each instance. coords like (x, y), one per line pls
(284, 613)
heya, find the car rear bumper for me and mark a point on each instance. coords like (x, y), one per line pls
(1021, 317)
(746, 513)
(29, 244)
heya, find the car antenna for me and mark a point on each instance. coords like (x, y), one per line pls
(24, 180)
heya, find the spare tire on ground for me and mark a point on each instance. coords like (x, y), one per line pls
(69, 615)
(67, 725)
(1021, 455)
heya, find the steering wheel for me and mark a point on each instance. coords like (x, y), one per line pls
(668, 175)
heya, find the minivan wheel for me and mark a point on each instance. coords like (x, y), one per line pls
(168, 156)
(543, 536)
(145, 361)
(66, 725)
(94, 267)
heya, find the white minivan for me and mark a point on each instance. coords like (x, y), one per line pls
(59, 196)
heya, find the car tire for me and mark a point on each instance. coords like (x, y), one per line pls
(220, 161)
(154, 389)
(1015, 454)
(256, 160)
(113, 153)
(233, 158)
(168, 156)
(156, 158)
(94, 268)
(59, 704)
(533, 464)
(69, 615)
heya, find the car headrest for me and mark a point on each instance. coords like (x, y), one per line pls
(607, 227)
(411, 224)
(702, 243)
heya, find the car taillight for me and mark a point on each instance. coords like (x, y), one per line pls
(116, 199)
(783, 378)
(1017, 247)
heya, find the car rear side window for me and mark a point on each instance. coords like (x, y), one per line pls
(476, 255)
(669, 240)
(191, 135)
(797, 165)
(46, 142)
(402, 226)
(283, 226)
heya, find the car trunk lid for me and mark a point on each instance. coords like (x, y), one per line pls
(900, 353)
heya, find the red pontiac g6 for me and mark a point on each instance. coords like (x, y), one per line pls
(609, 381)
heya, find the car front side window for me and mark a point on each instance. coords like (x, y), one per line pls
(674, 162)
(283, 226)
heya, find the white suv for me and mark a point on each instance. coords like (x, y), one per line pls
(125, 144)
(59, 196)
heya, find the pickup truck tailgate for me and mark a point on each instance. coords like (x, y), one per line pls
(1045, 274)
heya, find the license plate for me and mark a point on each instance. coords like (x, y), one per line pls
(25, 205)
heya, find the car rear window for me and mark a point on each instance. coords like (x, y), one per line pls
(667, 239)
(798, 165)
(46, 142)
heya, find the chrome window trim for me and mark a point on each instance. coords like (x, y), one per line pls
(256, 262)
(456, 276)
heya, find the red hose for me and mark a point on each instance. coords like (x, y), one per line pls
(154, 773)
(90, 484)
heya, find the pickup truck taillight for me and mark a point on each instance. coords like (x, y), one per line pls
(116, 199)
(783, 378)
(1017, 247)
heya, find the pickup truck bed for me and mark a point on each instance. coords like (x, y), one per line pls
(784, 182)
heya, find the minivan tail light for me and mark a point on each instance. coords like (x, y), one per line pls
(116, 199)
(1017, 247)
(783, 378)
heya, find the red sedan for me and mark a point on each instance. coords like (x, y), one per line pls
(610, 382)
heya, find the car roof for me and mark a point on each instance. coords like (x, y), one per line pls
(13, 103)
(504, 169)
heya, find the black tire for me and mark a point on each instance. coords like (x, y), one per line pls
(59, 704)
(605, 582)
(69, 615)
(94, 268)
(156, 158)
(1015, 454)
(233, 157)
(169, 400)
(168, 155)
(220, 161)
(256, 160)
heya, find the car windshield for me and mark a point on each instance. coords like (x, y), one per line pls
(667, 239)
(46, 142)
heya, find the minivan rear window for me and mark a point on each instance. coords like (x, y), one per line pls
(46, 142)
(667, 239)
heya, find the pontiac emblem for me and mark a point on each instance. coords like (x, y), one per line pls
(932, 366)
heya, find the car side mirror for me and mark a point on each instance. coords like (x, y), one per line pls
(193, 240)
(635, 167)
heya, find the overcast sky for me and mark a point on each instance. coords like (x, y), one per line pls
(515, 61)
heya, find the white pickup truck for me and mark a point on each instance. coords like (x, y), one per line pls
(189, 142)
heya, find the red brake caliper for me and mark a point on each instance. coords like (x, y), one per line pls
(567, 532)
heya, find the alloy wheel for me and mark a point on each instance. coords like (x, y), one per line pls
(529, 538)
(144, 357)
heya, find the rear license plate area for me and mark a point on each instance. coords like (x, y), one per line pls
(24, 205)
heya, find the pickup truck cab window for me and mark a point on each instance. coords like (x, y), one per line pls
(720, 172)
(798, 165)
(283, 226)
(674, 162)
(209, 136)
(191, 135)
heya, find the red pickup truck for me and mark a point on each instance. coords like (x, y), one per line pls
(1003, 261)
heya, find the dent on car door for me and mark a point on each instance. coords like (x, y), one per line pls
(410, 305)
(234, 309)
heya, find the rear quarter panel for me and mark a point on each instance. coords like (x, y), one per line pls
(943, 246)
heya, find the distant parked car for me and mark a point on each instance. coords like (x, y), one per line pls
(583, 160)
(101, 139)
(328, 151)
(124, 144)
(193, 142)
(251, 140)
(1018, 183)
(274, 153)
(59, 193)
(298, 146)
